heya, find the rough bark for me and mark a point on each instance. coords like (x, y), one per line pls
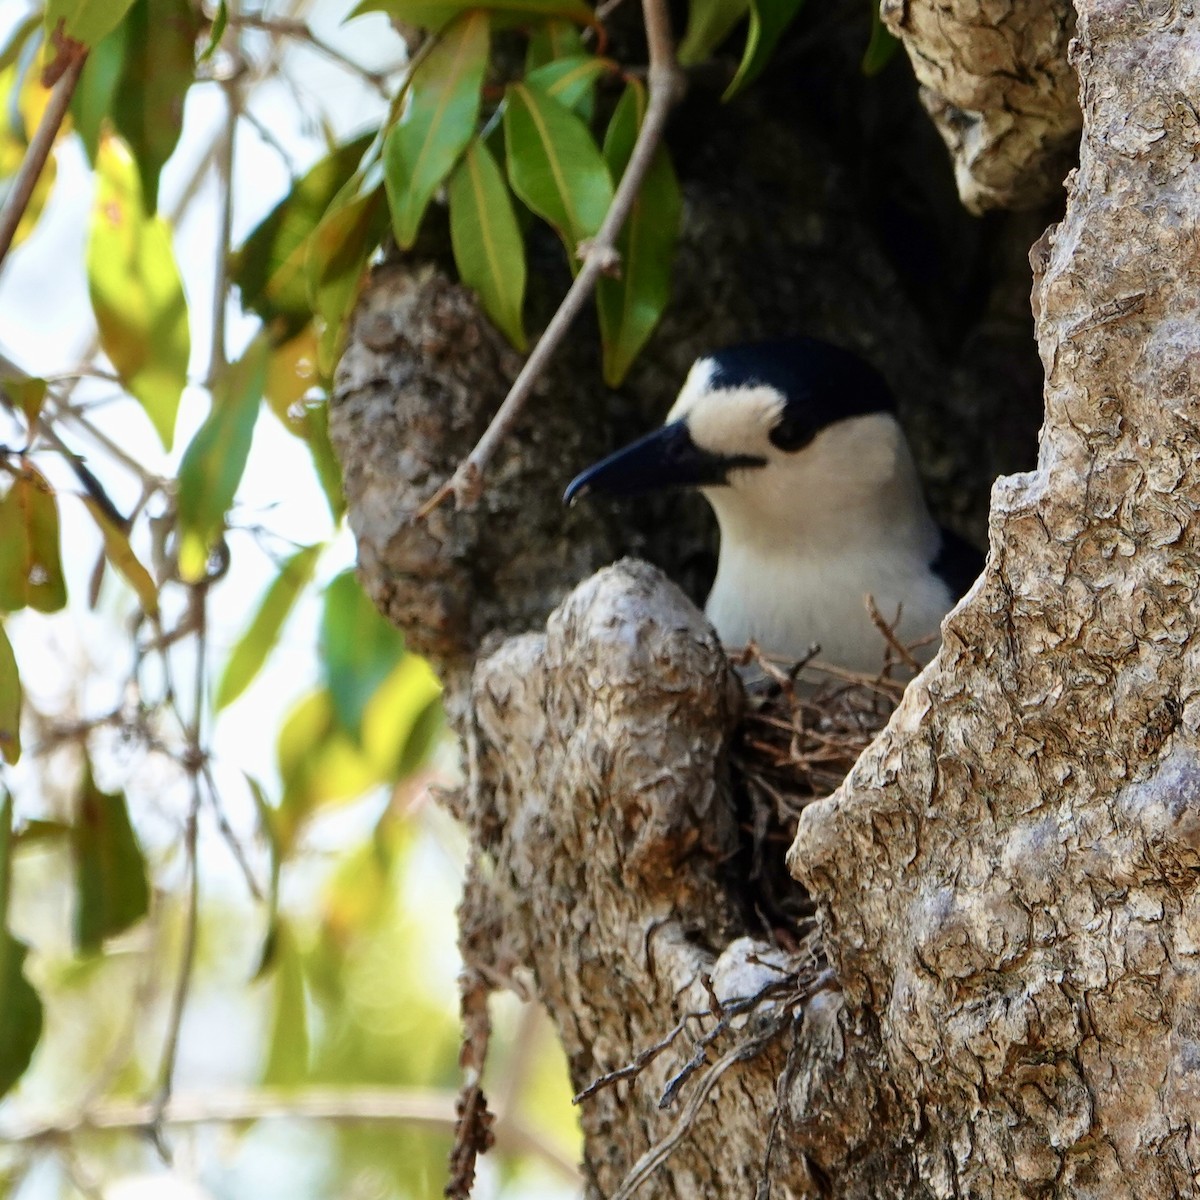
(1010, 874)
(1008, 879)
(995, 79)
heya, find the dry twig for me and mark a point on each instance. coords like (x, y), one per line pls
(665, 83)
(71, 57)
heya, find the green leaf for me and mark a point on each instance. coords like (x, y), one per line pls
(112, 892)
(403, 719)
(358, 650)
(487, 241)
(768, 20)
(882, 47)
(270, 267)
(440, 120)
(120, 553)
(217, 32)
(93, 99)
(27, 394)
(572, 81)
(288, 1052)
(268, 821)
(336, 259)
(319, 764)
(325, 461)
(86, 21)
(213, 463)
(252, 648)
(160, 66)
(550, 40)
(435, 15)
(554, 165)
(20, 1007)
(30, 567)
(10, 701)
(18, 39)
(630, 306)
(137, 294)
(709, 23)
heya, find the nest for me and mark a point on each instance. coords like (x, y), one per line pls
(802, 730)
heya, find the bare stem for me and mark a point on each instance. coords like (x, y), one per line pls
(183, 982)
(218, 356)
(665, 85)
(412, 1106)
(39, 149)
(300, 31)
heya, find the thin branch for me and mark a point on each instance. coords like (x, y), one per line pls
(663, 1148)
(218, 356)
(413, 1106)
(195, 764)
(889, 634)
(166, 1072)
(301, 32)
(665, 87)
(40, 145)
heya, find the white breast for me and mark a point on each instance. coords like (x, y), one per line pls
(786, 603)
(806, 538)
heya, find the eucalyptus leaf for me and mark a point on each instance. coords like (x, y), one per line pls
(572, 81)
(10, 701)
(336, 257)
(256, 643)
(120, 553)
(631, 304)
(358, 650)
(270, 266)
(710, 22)
(488, 249)
(159, 68)
(86, 21)
(443, 109)
(137, 293)
(92, 103)
(20, 1006)
(551, 39)
(30, 563)
(555, 166)
(768, 20)
(112, 891)
(213, 463)
(435, 15)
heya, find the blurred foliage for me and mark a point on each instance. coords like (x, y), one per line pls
(172, 920)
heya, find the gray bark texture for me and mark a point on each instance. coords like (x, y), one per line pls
(1009, 877)
(1004, 1000)
(995, 79)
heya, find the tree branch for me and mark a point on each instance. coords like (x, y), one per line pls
(411, 1106)
(299, 31)
(40, 146)
(665, 86)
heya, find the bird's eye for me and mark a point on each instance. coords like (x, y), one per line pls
(791, 434)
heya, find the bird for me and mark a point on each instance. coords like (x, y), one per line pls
(795, 444)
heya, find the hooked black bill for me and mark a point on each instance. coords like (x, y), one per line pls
(665, 458)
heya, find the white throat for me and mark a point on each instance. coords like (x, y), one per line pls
(807, 538)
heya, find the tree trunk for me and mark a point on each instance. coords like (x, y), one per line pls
(1007, 881)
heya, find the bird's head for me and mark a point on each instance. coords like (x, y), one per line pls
(770, 428)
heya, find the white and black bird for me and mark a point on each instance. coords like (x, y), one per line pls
(796, 446)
